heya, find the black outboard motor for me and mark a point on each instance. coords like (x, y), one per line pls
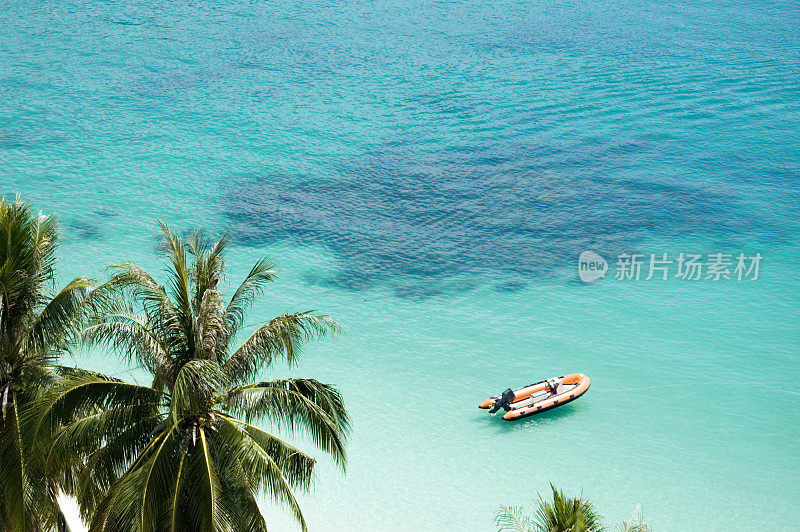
(504, 401)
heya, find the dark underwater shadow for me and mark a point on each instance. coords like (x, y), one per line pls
(508, 214)
(82, 230)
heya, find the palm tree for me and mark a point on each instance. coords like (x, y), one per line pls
(185, 453)
(36, 326)
(514, 519)
(635, 523)
(564, 514)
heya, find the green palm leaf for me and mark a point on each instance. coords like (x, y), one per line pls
(304, 405)
(282, 337)
(252, 287)
(264, 471)
(513, 519)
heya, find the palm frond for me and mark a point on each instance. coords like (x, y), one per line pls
(113, 457)
(15, 483)
(252, 287)
(282, 336)
(303, 405)
(209, 326)
(175, 495)
(513, 519)
(215, 515)
(263, 470)
(73, 444)
(245, 515)
(142, 287)
(179, 283)
(296, 466)
(160, 469)
(87, 392)
(129, 335)
(120, 508)
(209, 265)
(566, 514)
(635, 523)
(57, 323)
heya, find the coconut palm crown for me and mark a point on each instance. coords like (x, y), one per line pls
(564, 514)
(36, 326)
(186, 452)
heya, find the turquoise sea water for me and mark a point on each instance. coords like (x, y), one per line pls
(428, 172)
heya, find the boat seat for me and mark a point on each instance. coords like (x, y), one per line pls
(564, 388)
(544, 394)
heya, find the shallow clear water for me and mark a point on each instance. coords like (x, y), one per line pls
(427, 172)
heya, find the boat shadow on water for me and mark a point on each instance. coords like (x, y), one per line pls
(556, 415)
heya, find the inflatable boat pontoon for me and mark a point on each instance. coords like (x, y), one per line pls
(538, 397)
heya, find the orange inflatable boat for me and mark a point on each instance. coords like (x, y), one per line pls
(538, 397)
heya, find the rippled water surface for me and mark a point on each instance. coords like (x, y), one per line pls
(427, 172)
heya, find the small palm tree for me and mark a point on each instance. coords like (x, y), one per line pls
(184, 453)
(564, 514)
(36, 326)
(635, 523)
(514, 519)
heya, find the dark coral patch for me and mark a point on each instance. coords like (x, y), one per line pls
(416, 223)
